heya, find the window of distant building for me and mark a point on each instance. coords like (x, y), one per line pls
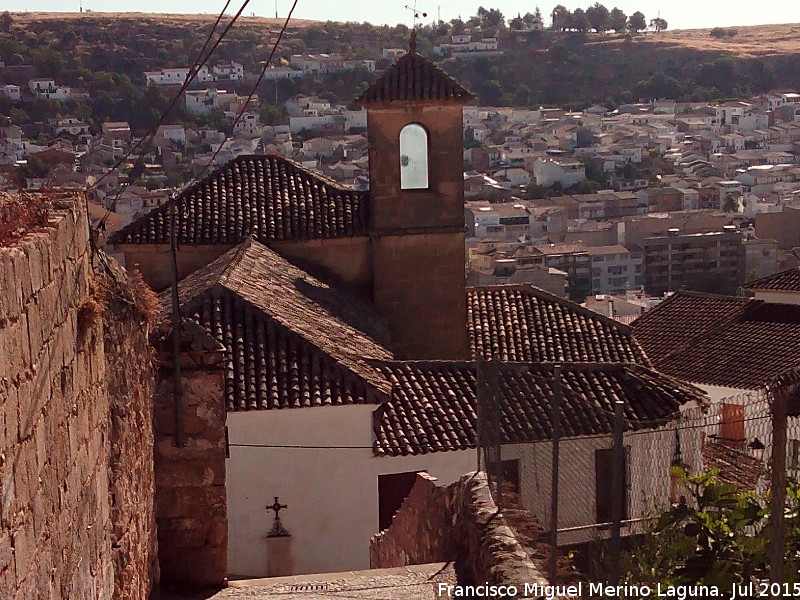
(413, 157)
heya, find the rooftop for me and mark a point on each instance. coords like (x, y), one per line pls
(525, 323)
(267, 196)
(290, 340)
(721, 340)
(433, 405)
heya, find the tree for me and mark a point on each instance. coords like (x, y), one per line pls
(658, 24)
(6, 20)
(618, 20)
(718, 536)
(637, 22)
(517, 23)
(580, 21)
(561, 17)
(599, 17)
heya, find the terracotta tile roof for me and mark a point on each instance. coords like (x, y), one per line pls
(433, 404)
(524, 323)
(736, 467)
(788, 281)
(290, 340)
(414, 78)
(268, 196)
(681, 318)
(718, 340)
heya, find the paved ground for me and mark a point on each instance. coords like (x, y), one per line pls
(419, 582)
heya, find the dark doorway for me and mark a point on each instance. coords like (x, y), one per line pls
(392, 490)
(603, 465)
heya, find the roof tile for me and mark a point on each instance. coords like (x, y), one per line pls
(524, 323)
(290, 340)
(433, 404)
(414, 78)
(268, 196)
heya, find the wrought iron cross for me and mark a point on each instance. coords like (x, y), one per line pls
(277, 530)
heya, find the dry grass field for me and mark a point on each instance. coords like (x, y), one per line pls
(755, 41)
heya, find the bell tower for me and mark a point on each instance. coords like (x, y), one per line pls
(415, 131)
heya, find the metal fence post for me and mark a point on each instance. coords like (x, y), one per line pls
(778, 489)
(617, 474)
(555, 419)
(480, 399)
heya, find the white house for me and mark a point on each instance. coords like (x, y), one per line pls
(231, 71)
(10, 91)
(248, 126)
(174, 133)
(41, 84)
(733, 348)
(204, 101)
(549, 171)
(176, 76)
(393, 53)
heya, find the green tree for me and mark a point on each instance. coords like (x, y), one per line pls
(6, 20)
(47, 61)
(599, 17)
(637, 22)
(19, 116)
(658, 24)
(561, 17)
(580, 21)
(717, 536)
(617, 20)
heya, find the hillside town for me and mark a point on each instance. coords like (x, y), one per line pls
(409, 341)
(636, 202)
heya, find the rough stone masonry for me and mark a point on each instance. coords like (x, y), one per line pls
(76, 475)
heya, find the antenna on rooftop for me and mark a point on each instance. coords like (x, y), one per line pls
(417, 14)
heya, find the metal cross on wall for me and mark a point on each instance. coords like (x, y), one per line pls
(277, 530)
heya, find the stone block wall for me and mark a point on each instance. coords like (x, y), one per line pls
(191, 504)
(55, 520)
(130, 384)
(459, 522)
(56, 486)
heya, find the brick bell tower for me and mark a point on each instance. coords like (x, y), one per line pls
(415, 131)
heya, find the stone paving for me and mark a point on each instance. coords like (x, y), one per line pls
(418, 582)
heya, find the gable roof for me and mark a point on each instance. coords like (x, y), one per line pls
(721, 340)
(683, 317)
(525, 323)
(785, 281)
(433, 404)
(290, 340)
(268, 196)
(413, 78)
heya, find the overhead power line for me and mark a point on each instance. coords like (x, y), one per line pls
(144, 143)
(249, 97)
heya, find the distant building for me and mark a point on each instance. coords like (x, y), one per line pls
(10, 91)
(176, 76)
(673, 261)
(549, 172)
(616, 268)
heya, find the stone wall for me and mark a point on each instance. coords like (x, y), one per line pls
(57, 537)
(130, 384)
(459, 522)
(191, 509)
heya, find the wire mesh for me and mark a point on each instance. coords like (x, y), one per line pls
(730, 435)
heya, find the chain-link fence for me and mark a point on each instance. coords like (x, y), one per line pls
(577, 472)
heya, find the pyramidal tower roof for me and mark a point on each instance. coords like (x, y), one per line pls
(413, 78)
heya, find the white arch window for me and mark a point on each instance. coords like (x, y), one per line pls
(413, 157)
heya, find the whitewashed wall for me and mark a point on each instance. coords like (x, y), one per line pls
(332, 495)
(648, 479)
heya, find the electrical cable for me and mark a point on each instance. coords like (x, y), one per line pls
(190, 76)
(249, 97)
